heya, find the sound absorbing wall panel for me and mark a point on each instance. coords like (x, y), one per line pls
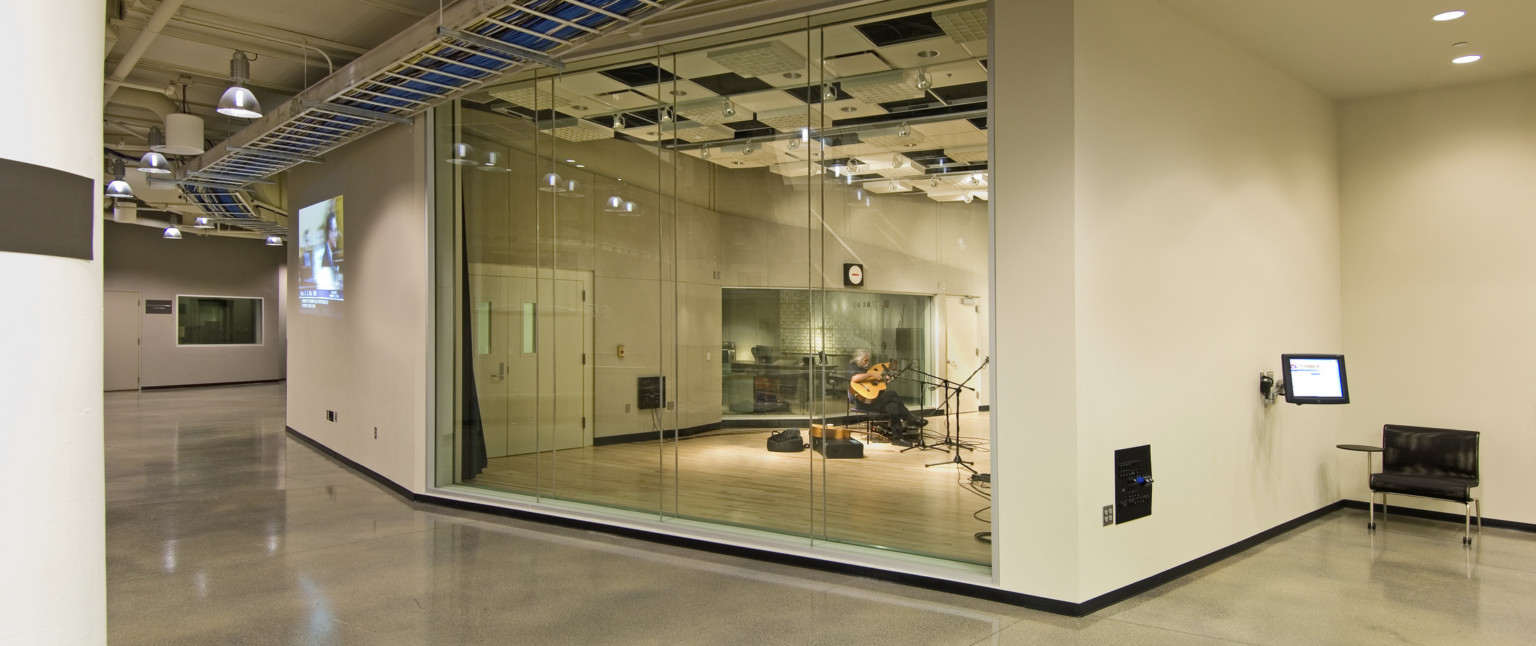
(45, 211)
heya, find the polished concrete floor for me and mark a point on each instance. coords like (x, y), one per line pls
(221, 530)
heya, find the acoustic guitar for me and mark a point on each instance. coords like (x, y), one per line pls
(869, 389)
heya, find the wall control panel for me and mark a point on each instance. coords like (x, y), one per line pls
(1133, 483)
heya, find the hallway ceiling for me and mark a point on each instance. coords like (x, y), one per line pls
(1351, 49)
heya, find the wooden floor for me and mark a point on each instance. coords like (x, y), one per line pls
(888, 499)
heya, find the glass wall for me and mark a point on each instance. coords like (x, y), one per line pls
(650, 267)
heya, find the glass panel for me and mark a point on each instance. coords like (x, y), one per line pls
(218, 320)
(694, 246)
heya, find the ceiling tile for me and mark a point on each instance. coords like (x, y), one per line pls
(924, 53)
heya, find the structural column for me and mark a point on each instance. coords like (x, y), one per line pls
(52, 551)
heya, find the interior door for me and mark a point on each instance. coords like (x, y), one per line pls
(963, 348)
(120, 348)
(564, 360)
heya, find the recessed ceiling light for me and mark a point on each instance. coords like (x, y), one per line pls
(678, 93)
(581, 165)
(570, 161)
(850, 109)
(1449, 15)
(738, 163)
(578, 107)
(1469, 58)
(791, 75)
(927, 53)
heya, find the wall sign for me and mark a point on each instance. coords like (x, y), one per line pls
(158, 307)
(853, 274)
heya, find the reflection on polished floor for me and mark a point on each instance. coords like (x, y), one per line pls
(888, 498)
(221, 530)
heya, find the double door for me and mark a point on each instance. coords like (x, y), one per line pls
(532, 370)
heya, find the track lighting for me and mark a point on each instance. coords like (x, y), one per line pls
(828, 93)
(794, 144)
(727, 108)
(748, 149)
(117, 187)
(618, 122)
(238, 101)
(704, 153)
(153, 161)
(665, 115)
(924, 79)
(903, 130)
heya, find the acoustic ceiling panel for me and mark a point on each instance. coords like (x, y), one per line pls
(963, 24)
(760, 59)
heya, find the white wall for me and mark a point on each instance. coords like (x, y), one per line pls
(367, 358)
(52, 552)
(138, 259)
(1439, 212)
(1199, 243)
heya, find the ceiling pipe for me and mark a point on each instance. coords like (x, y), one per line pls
(157, 21)
(155, 102)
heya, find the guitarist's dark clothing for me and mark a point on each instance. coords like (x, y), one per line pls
(887, 403)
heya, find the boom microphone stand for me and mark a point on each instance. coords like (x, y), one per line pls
(922, 436)
(952, 390)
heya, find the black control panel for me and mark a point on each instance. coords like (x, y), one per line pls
(652, 392)
(1133, 483)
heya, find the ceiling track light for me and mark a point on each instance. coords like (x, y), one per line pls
(704, 153)
(903, 130)
(118, 187)
(665, 115)
(924, 79)
(727, 109)
(828, 93)
(237, 100)
(618, 122)
(153, 162)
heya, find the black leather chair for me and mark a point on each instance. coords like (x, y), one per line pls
(1433, 463)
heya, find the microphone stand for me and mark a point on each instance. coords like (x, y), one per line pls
(952, 390)
(922, 437)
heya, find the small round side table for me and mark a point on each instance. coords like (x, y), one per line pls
(1367, 450)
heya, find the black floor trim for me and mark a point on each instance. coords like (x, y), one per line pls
(1441, 515)
(650, 436)
(916, 580)
(215, 384)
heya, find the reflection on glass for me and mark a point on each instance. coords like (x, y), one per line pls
(658, 280)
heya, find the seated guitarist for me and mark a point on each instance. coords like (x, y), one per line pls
(886, 403)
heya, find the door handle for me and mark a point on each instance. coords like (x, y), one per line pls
(501, 372)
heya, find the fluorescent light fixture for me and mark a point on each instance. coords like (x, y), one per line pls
(924, 80)
(238, 101)
(152, 161)
(1469, 58)
(1449, 15)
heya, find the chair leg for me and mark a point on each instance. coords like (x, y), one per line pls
(1479, 504)
(1370, 508)
(1466, 536)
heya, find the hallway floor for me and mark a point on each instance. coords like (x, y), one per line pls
(222, 530)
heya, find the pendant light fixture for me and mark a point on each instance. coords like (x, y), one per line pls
(171, 232)
(202, 223)
(152, 161)
(117, 187)
(463, 155)
(274, 241)
(552, 183)
(238, 101)
(494, 163)
(572, 188)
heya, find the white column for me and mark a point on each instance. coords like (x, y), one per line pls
(52, 550)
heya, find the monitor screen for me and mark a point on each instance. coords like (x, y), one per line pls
(1315, 379)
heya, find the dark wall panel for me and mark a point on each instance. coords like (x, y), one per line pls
(45, 211)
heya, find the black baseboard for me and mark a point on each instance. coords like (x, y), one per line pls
(1441, 515)
(220, 383)
(650, 436)
(1032, 602)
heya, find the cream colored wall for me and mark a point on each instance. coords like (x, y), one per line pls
(1439, 211)
(1199, 241)
(369, 361)
(1208, 244)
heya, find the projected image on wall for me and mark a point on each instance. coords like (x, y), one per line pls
(320, 254)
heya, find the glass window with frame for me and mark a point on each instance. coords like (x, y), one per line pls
(218, 320)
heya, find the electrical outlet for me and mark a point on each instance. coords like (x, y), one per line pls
(1109, 515)
(330, 416)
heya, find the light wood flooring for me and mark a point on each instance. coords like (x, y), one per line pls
(887, 499)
